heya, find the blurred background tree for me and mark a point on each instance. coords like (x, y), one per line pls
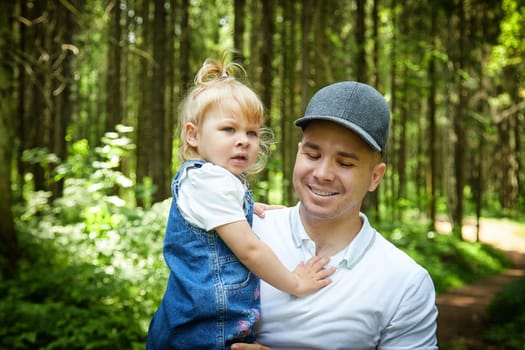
(452, 71)
(88, 108)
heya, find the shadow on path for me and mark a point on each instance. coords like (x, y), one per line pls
(462, 317)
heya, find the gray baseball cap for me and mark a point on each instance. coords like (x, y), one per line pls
(356, 106)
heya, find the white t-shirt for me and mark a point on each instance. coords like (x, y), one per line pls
(211, 196)
(379, 298)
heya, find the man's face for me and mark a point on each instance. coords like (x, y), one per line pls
(334, 169)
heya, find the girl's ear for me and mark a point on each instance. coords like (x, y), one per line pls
(192, 134)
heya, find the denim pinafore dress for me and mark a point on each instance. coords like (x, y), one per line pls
(212, 299)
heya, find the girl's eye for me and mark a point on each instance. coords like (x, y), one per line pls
(252, 133)
(228, 129)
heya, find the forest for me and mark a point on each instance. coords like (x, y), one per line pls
(89, 92)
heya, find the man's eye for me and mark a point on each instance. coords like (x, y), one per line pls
(346, 165)
(313, 155)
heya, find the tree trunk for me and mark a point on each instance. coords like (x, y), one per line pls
(37, 115)
(306, 49)
(460, 144)
(144, 122)
(266, 78)
(159, 153)
(185, 46)
(171, 97)
(514, 141)
(256, 41)
(377, 42)
(289, 110)
(401, 154)
(64, 28)
(509, 147)
(361, 73)
(238, 30)
(20, 122)
(372, 198)
(9, 249)
(478, 181)
(431, 102)
(114, 71)
(390, 154)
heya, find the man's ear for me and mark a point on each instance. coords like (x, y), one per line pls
(192, 134)
(377, 175)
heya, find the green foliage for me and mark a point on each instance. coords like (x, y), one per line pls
(512, 37)
(458, 344)
(39, 156)
(451, 262)
(507, 316)
(70, 306)
(92, 272)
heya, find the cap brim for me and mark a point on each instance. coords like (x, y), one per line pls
(302, 122)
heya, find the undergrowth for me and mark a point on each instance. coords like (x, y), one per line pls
(92, 271)
(506, 315)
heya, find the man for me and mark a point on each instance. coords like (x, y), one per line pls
(379, 297)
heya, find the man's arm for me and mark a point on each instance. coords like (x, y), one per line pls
(414, 324)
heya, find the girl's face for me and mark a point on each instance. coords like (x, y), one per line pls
(225, 138)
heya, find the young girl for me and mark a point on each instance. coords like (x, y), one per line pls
(212, 298)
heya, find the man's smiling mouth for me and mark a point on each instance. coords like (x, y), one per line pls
(322, 193)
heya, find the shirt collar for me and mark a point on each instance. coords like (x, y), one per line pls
(349, 256)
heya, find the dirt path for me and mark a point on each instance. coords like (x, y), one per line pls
(461, 320)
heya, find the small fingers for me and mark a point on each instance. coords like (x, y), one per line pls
(317, 262)
(317, 265)
(254, 346)
(326, 272)
(260, 208)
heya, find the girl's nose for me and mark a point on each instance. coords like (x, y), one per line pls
(242, 139)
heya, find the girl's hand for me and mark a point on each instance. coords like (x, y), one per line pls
(312, 275)
(243, 346)
(260, 208)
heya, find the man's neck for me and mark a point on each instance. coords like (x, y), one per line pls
(331, 235)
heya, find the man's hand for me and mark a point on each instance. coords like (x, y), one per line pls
(243, 346)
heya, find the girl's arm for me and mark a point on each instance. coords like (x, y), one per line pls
(260, 259)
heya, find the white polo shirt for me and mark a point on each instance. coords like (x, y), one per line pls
(380, 298)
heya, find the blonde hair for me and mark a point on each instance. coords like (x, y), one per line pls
(215, 83)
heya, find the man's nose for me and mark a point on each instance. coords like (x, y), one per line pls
(324, 170)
